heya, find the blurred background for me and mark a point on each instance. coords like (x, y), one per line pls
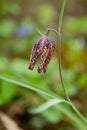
(18, 22)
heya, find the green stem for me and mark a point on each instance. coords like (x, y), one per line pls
(59, 59)
(39, 31)
(61, 17)
(58, 34)
(60, 72)
(78, 113)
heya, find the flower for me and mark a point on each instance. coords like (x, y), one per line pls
(43, 48)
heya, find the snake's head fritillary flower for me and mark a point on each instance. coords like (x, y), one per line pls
(42, 48)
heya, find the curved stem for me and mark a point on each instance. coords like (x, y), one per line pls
(59, 59)
(58, 34)
(60, 72)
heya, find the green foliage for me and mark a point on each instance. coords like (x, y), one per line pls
(6, 28)
(53, 101)
(14, 60)
(9, 7)
(46, 14)
(76, 26)
(8, 91)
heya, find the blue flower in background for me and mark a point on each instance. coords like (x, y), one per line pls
(25, 30)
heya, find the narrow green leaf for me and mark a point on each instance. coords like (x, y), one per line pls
(46, 105)
(28, 85)
(62, 104)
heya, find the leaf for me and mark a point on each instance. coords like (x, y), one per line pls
(60, 103)
(28, 85)
(46, 105)
(52, 115)
(63, 108)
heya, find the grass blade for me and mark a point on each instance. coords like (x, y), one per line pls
(61, 104)
(46, 105)
(28, 85)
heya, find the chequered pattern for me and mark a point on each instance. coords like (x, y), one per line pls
(43, 47)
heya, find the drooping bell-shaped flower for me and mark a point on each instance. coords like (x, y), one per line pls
(42, 48)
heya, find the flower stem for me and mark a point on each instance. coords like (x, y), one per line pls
(59, 59)
(58, 34)
(60, 72)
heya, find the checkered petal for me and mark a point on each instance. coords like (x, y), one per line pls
(42, 59)
(36, 51)
(43, 47)
(48, 58)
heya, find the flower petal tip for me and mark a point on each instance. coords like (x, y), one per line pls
(30, 67)
(39, 70)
